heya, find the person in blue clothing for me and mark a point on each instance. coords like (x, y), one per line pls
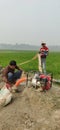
(11, 73)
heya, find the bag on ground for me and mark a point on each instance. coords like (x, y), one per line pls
(5, 96)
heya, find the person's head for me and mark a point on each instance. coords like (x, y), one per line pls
(12, 64)
(43, 44)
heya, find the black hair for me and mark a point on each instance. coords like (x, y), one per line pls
(43, 43)
(12, 62)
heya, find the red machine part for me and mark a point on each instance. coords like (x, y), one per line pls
(47, 83)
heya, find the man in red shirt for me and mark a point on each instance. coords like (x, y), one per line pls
(43, 54)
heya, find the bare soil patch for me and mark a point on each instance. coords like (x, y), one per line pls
(31, 109)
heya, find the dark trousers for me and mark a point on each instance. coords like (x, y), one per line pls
(12, 77)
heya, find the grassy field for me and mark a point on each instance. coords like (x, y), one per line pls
(52, 61)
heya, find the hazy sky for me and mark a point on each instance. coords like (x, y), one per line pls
(30, 21)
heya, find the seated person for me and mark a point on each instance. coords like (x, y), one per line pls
(10, 75)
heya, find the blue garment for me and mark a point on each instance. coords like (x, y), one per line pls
(43, 65)
(12, 77)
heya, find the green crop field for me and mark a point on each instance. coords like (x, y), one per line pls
(52, 61)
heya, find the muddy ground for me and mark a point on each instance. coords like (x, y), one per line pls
(31, 109)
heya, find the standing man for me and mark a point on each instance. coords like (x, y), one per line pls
(43, 54)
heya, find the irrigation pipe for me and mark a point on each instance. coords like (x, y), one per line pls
(28, 60)
(39, 66)
(39, 61)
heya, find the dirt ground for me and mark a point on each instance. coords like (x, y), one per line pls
(31, 109)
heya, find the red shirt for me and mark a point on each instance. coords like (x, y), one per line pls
(44, 51)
